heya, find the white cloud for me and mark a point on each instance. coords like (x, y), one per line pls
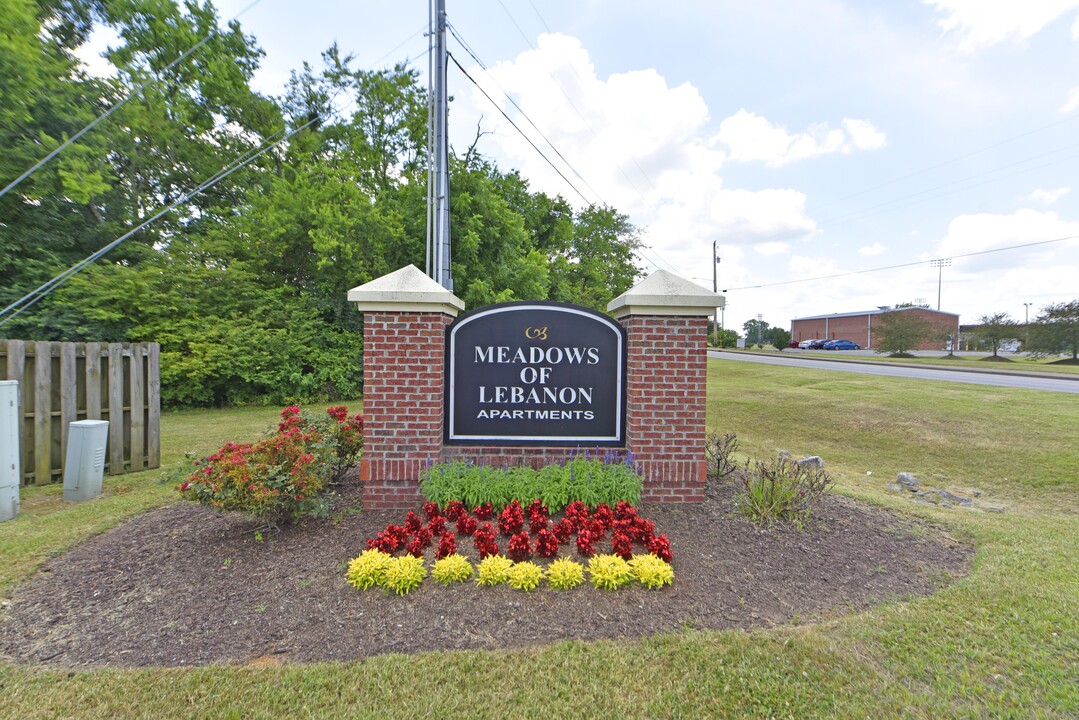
(980, 23)
(872, 250)
(640, 145)
(750, 137)
(1048, 196)
(1072, 103)
(772, 248)
(986, 231)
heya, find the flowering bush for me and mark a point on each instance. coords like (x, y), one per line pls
(512, 519)
(452, 568)
(368, 570)
(609, 572)
(484, 540)
(565, 574)
(494, 570)
(281, 477)
(546, 544)
(661, 547)
(447, 545)
(525, 576)
(520, 548)
(651, 571)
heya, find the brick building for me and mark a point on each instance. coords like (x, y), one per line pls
(860, 327)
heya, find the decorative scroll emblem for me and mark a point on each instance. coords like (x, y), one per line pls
(539, 333)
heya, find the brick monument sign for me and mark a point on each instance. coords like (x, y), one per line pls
(526, 383)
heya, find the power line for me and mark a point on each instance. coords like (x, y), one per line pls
(518, 129)
(513, 102)
(591, 129)
(948, 162)
(903, 265)
(46, 288)
(41, 163)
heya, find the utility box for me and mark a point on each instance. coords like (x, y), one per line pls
(84, 466)
(9, 450)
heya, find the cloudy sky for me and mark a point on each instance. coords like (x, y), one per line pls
(808, 139)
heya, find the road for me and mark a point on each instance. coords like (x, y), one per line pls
(975, 378)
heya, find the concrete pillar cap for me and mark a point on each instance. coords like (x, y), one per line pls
(664, 293)
(405, 290)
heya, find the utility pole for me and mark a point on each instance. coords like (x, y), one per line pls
(940, 264)
(438, 165)
(715, 289)
(1026, 313)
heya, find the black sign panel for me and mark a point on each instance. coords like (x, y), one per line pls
(535, 373)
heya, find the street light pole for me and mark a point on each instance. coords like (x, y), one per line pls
(715, 288)
(940, 264)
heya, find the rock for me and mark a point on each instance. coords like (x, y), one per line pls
(955, 499)
(907, 480)
(892, 487)
(785, 454)
(994, 508)
(814, 461)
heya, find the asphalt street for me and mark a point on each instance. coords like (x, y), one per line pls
(978, 377)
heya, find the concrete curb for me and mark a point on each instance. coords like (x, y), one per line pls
(853, 361)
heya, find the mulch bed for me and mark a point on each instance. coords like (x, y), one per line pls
(183, 586)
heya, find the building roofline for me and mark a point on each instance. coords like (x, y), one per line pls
(871, 312)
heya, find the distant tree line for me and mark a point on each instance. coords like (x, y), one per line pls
(245, 285)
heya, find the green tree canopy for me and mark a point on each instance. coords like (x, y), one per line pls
(1056, 330)
(900, 332)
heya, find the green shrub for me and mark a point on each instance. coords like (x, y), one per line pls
(609, 572)
(452, 568)
(652, 572)
(606, 477)
(781, 489)
(494, 570)
(565, 574)
(368, 570)
(281, 477)
(404, 574)
(525, 576)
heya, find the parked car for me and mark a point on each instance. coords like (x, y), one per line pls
(808, 344)
(841, 345)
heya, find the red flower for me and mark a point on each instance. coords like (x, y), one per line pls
(585, 542)
(484, 540)
(431, 510)
(661, 547)
(412, 522)
(546, 544)
(447, 545)
(466, 525)
(437, 526)
(484, 512)
(623, 545)
(512, 519)
(454, 509)
(415, 547)
(564, 530)
(520, 549)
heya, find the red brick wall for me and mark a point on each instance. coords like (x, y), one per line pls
(665, 401)
(862, 328)
(403, 408)
(403, 385)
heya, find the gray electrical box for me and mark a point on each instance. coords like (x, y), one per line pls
(9, 450)
(84, 466)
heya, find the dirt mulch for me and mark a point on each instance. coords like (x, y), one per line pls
(184, 586)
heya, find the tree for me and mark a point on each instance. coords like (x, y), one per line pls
(1056, 331)
(900, 332)
(779, 337)
(995, 329)
(756, 331)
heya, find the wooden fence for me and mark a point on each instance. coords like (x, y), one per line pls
(62, 382)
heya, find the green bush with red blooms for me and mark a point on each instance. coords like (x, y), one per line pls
(282, 477)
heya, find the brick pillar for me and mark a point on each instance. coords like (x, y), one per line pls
(666, 322)
(665, 396)
(404, 327)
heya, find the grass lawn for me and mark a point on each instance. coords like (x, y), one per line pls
(1014, 362)
(1003, 642)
